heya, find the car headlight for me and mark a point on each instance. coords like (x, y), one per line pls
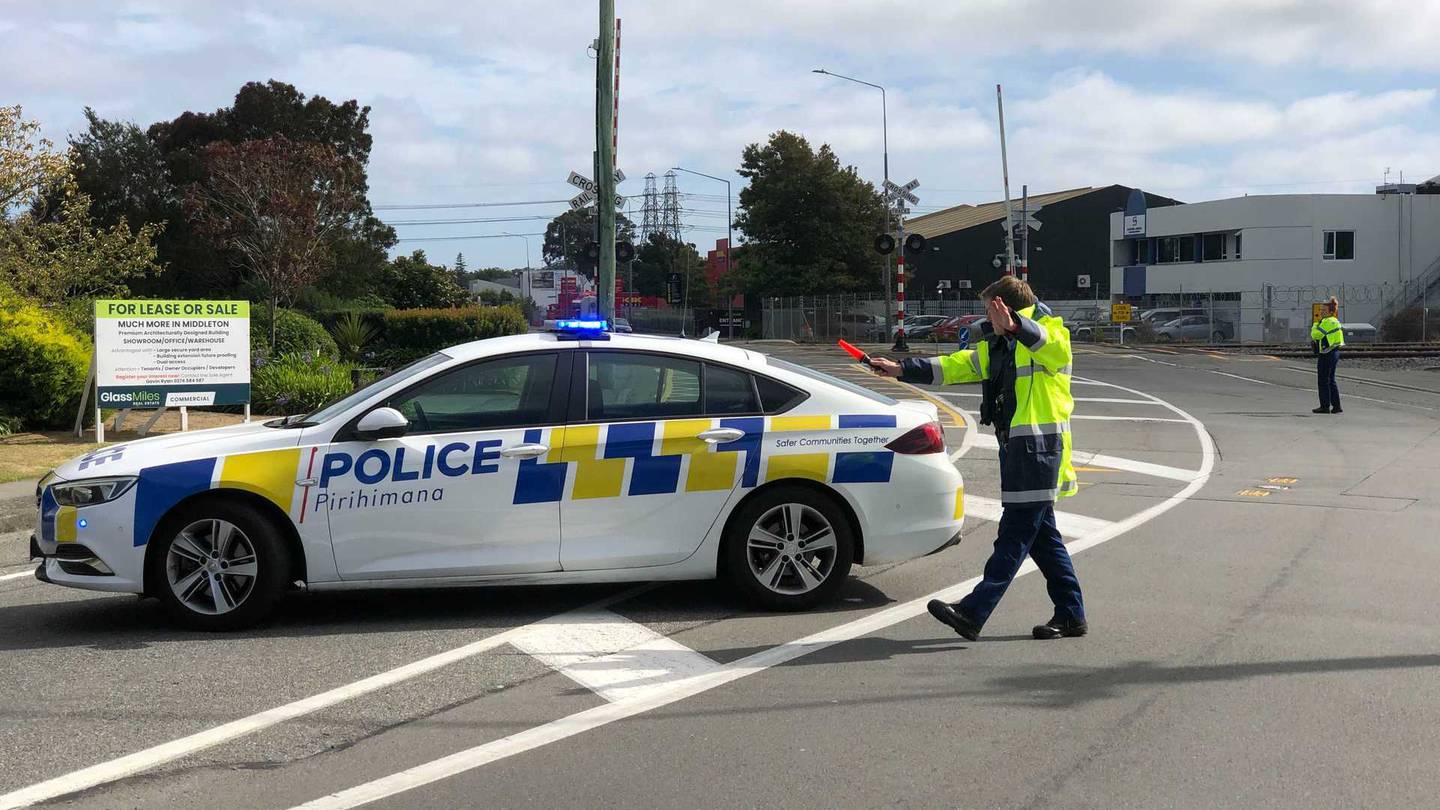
(92, 491)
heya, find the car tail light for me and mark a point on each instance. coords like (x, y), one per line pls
(928, 438)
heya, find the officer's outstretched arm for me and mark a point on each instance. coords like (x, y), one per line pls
(1048, 342)
(1315, 333)
(971, 365)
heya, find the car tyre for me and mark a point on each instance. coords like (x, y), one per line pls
(1217, 336)
(789, 548)
(219, 544)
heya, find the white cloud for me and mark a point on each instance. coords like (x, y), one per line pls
(487, 100)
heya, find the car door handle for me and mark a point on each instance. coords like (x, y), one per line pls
(721, 435)
(525, 451)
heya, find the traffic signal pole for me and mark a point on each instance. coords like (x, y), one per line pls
(900, 344)
(1005, 173)
(605, 170)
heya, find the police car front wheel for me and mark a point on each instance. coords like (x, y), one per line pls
(789, 548)
(219, 566)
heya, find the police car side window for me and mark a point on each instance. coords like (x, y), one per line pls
(728, 391)
(775, 396)
(641, 386)
(505, 392)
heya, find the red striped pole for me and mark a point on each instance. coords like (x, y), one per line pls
(615, 131)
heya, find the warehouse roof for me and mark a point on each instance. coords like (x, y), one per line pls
(968, 216)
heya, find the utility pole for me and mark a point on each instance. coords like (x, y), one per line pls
(1005, 172)
(1025, 232)
(605, 168)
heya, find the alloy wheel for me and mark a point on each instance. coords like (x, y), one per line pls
(791, 549)
(211, 566)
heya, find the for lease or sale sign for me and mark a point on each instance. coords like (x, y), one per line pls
(152, 354)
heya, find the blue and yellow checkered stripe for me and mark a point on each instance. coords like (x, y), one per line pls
(649, 458)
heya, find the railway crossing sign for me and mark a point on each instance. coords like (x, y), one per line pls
(589, 190)
(902, 194)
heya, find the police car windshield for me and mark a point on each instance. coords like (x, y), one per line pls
(362, 393)
(835, 381)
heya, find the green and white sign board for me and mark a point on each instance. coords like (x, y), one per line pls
(165, 354)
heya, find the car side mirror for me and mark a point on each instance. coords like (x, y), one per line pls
(382, 423)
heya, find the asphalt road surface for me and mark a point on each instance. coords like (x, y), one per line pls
(1260, 583)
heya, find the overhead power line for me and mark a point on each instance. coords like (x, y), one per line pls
(475, 236)
(433, 206)
(408, 222)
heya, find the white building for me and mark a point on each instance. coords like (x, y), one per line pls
(1262, 260)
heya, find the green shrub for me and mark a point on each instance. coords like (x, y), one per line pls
(43, 364)
(294, 334)
(352, 333)
(297, 383)
(414, 333)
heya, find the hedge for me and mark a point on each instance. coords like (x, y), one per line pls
(43, 365)
(294, 334)
(297, 383)
(413, 333)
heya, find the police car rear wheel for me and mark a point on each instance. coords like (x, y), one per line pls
(789, 549)
(221, 566)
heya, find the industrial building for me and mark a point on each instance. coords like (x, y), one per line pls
(1259, 262)
(1069, 254)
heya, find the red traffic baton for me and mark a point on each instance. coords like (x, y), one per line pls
(860, 357)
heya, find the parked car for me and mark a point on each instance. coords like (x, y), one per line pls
(1163, 315)
(1098, 331)
(1360, 333)
(622, 326)
(949, 330)
(860, 325)
(1195, 327)
(920, 326)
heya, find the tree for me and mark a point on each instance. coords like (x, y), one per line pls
(278, 207)
(29, 163)
(809, 223)
(567, 235)
(657, 258)
(462, 276)
(413, 283)
(123, 173)
(259, 112)
(52, 252)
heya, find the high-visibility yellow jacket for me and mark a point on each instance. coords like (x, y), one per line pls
(1328, 333)
(1035, 446)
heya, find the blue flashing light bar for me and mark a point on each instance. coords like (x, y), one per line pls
(580, 328)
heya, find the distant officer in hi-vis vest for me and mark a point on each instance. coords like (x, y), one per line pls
(1328, 336)
(1023, 364)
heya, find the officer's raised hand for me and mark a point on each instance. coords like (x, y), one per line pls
(1000, 316)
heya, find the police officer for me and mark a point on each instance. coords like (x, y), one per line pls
(1023, 364)
(1328, 336)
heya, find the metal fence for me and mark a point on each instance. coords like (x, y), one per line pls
(1266, 314)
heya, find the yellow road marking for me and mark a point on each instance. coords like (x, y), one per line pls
(1254, 493)
(1282, 480)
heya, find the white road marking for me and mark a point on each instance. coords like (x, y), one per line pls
(175, 749)
(1070, 524)
(1238, 377)
(1133, 465)
(610, 655)
(1126, 418)
(589, 719)
(1115, 400)
(29, 573)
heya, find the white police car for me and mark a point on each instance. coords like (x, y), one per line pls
(575, 456)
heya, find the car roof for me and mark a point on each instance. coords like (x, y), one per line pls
(535, 341)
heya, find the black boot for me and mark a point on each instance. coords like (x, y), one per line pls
(1321, 409)
(1336, 409)
(1057, 627)
(957, 621)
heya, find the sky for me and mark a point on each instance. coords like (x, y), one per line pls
(492, 101)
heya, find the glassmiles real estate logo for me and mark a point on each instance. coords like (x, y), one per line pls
(134, 399)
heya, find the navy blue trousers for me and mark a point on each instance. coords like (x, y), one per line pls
(1325, 370)
(1026, 530)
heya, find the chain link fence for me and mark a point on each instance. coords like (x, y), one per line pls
(1266, 314)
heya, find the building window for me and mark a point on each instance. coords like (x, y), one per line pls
(1339, 245)
(1175, 249)
(1237, 245)
(1212, 247)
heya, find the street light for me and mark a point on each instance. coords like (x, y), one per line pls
(885, 148)
(524, 276)
(729, 242)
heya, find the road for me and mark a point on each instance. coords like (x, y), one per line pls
(1259, 581)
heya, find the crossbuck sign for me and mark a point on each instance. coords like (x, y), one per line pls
(589, 189)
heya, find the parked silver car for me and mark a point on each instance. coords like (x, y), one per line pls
(1195, 327)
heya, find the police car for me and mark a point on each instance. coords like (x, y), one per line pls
(575, 456)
